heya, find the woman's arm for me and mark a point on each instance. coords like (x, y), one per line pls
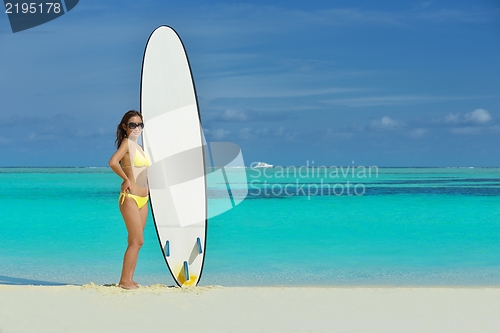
(114, 164)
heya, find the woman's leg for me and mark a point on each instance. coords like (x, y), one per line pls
(143, 212)
(135, 228)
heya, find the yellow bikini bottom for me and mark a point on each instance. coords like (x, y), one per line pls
(140, 201)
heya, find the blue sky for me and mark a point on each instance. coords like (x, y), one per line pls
(291, 82)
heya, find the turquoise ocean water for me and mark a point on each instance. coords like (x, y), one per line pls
(298, 226)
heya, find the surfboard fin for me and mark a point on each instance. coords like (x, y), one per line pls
(186, 270)
(167, 249)
(200, 248)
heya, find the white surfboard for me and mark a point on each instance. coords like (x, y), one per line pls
(173, 139)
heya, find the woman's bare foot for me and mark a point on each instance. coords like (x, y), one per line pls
(128, 285)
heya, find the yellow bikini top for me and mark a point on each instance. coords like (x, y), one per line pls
(140, 159)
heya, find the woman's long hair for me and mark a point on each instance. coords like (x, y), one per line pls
(120, 132)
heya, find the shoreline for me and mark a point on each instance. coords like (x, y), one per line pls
(159, 308)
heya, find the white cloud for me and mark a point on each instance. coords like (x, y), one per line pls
(234, 19)
(245, 133)
(217, 134)
(249, 133)
(337, 135)
(283, 133)
(279, 133)
(397, 100)
(234, 115)
(453, 15)
(451, 118)
(386, 123)
(478, 116)
(417, 133)
(262, 131)
(465, 130)
(275, 83)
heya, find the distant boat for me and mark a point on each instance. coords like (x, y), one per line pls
(261, 165)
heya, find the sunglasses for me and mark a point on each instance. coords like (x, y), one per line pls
(134, 125)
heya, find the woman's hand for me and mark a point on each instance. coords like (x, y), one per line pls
(126, 186)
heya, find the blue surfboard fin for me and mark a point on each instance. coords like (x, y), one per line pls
(200, 248)
(186, 270)
(167, 249)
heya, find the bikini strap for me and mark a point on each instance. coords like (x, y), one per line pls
(122, 197)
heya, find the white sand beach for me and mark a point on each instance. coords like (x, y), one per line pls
(158, 308)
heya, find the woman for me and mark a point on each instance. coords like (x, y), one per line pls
(130, 163)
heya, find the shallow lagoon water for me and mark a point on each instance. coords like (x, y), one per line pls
(403, 226)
